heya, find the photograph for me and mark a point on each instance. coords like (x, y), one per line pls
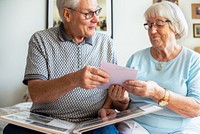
(174, 1)
(195, 11)
(105, 18)
(196, 30)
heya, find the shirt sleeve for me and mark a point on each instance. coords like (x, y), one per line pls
(36, 67)
(194, 78)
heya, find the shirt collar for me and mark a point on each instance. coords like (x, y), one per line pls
(64, 37)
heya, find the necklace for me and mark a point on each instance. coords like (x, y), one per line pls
(159, 66)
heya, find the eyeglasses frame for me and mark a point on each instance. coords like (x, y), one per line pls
(155, 24)
(96, 12)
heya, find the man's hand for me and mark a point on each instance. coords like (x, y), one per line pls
(90, 77)
(107, 113)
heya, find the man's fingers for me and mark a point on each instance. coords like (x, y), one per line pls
(99, 72)
(99, 79)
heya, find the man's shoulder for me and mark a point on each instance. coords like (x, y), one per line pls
(102, 35)
(44, 36)
(47, 32)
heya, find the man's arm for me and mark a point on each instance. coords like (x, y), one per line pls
(89, 77)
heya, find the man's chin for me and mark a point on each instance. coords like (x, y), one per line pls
(91, 33)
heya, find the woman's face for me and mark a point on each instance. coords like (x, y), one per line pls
(160, 33)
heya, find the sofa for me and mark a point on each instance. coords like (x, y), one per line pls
(25, 105)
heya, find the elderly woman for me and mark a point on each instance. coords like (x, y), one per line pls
(168, 74)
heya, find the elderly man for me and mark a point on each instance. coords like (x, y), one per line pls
(62, 67)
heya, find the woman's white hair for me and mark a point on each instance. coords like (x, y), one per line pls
(173, 13)
(66, 3)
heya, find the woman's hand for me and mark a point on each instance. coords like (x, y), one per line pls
(141, 88)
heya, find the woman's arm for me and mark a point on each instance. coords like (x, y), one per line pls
(185, 106)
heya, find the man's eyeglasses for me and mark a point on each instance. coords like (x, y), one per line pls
(90, 14)
(157, 24)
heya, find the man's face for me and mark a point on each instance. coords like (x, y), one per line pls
(81, 23)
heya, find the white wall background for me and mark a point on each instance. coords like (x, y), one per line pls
(129, 33)
(19, 19)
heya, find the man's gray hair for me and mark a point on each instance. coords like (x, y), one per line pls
(66, 3)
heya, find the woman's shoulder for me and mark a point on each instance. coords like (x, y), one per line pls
(191, 53)
(141, 52)
(139, 55)
(190, 57)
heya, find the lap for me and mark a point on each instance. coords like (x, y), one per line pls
(186, 132)
(110, 129)
(14, 129)
(130, 127)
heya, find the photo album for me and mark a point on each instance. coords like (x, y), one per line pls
(50, 125)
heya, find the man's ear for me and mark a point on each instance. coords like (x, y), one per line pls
(66, 14)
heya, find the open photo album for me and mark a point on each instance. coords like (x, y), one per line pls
(56, 126)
